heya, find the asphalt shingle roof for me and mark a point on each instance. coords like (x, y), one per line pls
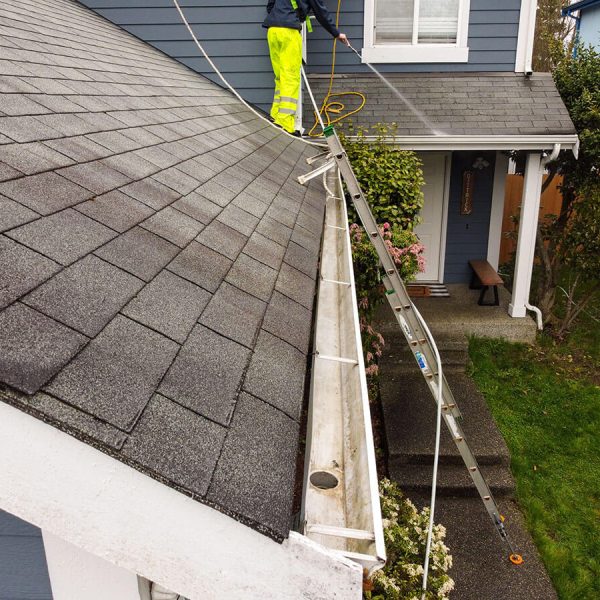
(157, 261)
(494, 104)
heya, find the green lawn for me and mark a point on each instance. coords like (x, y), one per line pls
(546, 402)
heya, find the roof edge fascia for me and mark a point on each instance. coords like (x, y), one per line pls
(568, 10)
(103, 506)
(479, 142)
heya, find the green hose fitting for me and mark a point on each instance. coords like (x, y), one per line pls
(329, 131)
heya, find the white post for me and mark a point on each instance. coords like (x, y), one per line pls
(76, 574)
(497, 212)
(528, 221)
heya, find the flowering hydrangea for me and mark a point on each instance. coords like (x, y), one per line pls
(407, 252)
(405, 532)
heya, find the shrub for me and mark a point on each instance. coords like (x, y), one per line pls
(405, 533)
(407, 253)
(391, 179)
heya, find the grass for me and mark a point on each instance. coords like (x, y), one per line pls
(546, 401)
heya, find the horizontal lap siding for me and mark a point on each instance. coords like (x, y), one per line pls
(230, 30)
(232, 34)
(467, 235)
(493, 28)
(23, 569)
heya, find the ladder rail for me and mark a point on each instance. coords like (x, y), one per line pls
(409, 320)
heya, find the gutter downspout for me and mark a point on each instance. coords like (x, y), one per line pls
(538, 313)
(530, 38)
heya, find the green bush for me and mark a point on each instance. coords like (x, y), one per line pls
(391, 179)
(405, 533)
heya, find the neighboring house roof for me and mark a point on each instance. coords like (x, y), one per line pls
(579, 6)
(493, 104)
(157, 262)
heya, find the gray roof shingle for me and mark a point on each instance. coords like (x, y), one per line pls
(494, 104)
(146, 220)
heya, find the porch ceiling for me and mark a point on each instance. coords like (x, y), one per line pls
(459, 111)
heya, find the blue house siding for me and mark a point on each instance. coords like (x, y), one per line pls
(493, 29)
(23, 568)
(467, 235)
(232, 35)
(230, 30)
(589, 29)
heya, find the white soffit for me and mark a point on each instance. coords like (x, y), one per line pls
(105, 507)
(481, 142)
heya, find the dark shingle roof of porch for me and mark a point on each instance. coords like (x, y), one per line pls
(155, 248)
(494, 104)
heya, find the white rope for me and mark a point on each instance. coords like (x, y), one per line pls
(436, 455)
(230, 87)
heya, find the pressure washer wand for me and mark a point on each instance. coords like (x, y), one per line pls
(355, 51)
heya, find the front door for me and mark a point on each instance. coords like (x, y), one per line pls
(431, 230)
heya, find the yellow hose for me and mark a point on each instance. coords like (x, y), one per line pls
(335, 108)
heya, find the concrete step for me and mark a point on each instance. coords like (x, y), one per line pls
(453, 480)
(410, 414)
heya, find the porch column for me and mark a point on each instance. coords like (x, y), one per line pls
(528, 221)
(497, 212)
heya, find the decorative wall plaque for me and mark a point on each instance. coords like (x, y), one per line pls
(466, 198)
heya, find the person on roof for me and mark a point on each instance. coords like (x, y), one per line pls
(284, 23)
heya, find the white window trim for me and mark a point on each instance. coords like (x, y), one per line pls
(416, 53)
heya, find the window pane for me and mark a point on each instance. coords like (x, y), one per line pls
(438, 21)
(394, 21)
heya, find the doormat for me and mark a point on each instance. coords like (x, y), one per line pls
(434, 290)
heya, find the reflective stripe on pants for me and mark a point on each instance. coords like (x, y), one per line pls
(285, 48)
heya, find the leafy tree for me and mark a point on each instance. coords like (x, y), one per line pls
(550, 27)
(568, 245)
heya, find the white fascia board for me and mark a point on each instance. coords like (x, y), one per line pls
(97, 503)
(526, 36)
(480, 142)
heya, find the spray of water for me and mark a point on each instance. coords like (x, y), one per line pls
(401, 97)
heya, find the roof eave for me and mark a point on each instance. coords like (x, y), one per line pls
(85, 497)
(568, 10)
(481, 142)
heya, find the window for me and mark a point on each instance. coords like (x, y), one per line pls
(416, 31)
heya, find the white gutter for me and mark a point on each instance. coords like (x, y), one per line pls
(534, 309)
(480, 142)
(340, 450)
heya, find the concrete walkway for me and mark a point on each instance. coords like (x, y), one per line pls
(481, 567)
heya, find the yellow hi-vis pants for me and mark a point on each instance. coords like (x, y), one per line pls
(285, 47)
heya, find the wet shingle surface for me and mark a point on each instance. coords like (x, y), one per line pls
(157, 257)
(456, 104)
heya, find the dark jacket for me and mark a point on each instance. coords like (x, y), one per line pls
(281, 13)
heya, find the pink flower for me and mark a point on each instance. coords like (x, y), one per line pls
(372, 370)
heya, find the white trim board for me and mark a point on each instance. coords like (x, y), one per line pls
(526, 36)
(415, 53)
(101, 505)
(481, 142)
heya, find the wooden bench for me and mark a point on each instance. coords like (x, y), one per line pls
(485, 276)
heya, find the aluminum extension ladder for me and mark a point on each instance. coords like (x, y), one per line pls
(410, 325)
